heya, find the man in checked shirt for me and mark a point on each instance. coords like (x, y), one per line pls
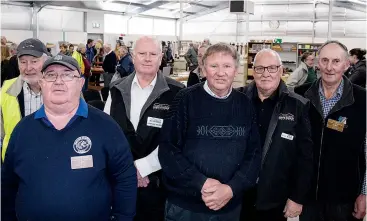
(338, 122)
(21, 96)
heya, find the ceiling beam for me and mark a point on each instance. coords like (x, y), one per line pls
(221, 6)
(201, 5)
(150, 6)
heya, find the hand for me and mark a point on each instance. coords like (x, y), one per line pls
(292, 209)
(360, 207)
(208, 184)
(220, 195)
(142, 181)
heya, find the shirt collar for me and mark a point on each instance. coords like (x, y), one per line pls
(152, 84)
(82, 110)
(274, 96)
(339, 90)
(210, 92)
(26, 87)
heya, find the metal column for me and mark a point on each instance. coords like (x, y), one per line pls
(181, 26)
(331, 2)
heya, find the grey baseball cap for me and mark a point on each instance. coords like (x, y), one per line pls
(64, 60)
(33, 47)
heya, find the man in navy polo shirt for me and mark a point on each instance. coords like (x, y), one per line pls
(60, 165)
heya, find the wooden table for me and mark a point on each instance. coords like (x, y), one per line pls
(96, 73)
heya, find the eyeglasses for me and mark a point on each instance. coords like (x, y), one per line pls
(52, 77)
(271, 69)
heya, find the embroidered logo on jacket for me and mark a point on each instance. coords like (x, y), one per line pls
(82, 145)
(220, 131)
(288, 116)
(158, 106)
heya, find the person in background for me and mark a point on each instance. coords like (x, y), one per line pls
(87, 71)
(71, 50)
(90, 50)
(358, 61)
(63, 49)
(338, 122)
(4, 62)
(78, 56)
(3, 40)
(98, 59)
(21, 96)
(210, 146)
(285, 132)
(139, 103)
(206, 42)
(305, 73)
(125, 66)
(109, 64)
(98, 46)
(67, 169)
(117, 50)
(191, 57)
(10, 68)
(164, 61)
(197, 75)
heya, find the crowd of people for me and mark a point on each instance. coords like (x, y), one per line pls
(162, 151)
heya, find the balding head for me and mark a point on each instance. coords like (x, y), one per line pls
(149, 40)
(267, 72)
(147, 56)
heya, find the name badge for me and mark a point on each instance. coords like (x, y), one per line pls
(81, 162)
(287, 136)
(155, 122)
(335, 125)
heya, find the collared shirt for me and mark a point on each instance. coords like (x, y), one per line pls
(139, 97)
(328, 104)
(82, 111)
(207, 89)
(32, 101)
(264, 110)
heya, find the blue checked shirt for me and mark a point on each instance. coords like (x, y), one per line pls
(327, 105)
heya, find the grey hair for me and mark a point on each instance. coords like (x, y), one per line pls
(341, 45)
(158, 43)
(267, 50)
(106, 45)
(222, 48)
(13, 46)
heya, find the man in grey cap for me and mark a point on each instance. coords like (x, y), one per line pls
(67, 168)
(21, 96)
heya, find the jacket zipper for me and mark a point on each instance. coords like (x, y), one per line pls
(322, 138)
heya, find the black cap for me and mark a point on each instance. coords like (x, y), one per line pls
(32, 46)
(64, 60)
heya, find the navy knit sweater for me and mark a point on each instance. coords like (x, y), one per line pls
(206, 137)
(39, 184)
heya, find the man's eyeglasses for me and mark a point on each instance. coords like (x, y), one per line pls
(52, 77)
(271, 69)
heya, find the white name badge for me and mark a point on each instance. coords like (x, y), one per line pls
(155, 122)
(287, 136)
(81, 162)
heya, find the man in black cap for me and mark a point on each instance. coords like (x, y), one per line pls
(21, 96)
(67, 168)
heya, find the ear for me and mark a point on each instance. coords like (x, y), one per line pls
(82, 80)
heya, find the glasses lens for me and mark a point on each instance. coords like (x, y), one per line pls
(67, 77)
(273, 69)
(259, 70)
(50, 77)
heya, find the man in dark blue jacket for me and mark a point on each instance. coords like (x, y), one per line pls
(90, 50)
(66, 168)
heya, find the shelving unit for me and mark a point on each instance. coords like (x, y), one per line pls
(252, 49)
(306, 47)
(288, 54)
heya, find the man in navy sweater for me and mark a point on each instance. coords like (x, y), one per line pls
(66, 168)
(210, 152)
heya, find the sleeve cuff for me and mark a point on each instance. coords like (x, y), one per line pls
(148, 164)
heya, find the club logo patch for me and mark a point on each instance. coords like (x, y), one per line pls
(289, 117)
(82, 145)
(158, 106)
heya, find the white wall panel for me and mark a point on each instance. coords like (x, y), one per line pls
(116, 24)
(50, 20)
(51, 36)
(140, 26)
(16, 36)
(164, 27)
(95, 17)
(76, 37)
(73, 21)
(15, 17)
